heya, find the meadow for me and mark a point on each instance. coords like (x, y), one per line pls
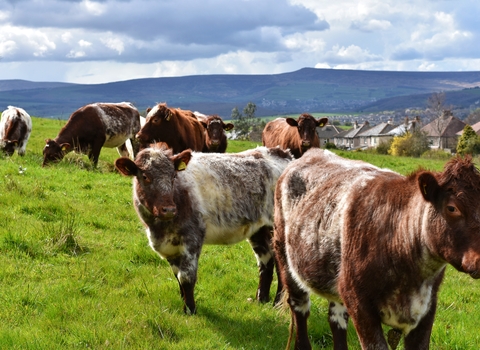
(76, 270)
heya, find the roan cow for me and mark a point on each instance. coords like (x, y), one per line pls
(374, 243)
(15, 130)
(297, 135)
(215, 136)
(192, 198)
(92, 127)
(179, 129)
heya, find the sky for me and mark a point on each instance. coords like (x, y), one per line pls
(91, 42)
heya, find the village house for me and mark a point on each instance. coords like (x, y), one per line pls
(443, 131)
(327, 134)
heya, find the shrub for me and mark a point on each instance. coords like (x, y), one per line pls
(409, 145)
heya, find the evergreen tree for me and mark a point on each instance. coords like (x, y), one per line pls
(469, 142)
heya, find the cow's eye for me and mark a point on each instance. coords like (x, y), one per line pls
(146, 179)
(451, 209)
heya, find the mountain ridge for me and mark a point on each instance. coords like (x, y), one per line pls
(305, 90)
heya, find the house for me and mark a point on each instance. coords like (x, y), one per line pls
(409, 125)
(327, 134)
(442, 132)
(351, 139)
(372, 137)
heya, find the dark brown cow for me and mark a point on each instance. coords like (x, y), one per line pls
(92, 127)
(191, 199)
(297, 135)
(215, 136)
(179, 129)
(15, 130)
(374, 243)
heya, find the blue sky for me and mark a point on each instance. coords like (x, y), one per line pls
(86, 41)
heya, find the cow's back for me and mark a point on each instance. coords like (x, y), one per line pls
(234, 191)
(318, 188)
(121, 121)
(278, 133)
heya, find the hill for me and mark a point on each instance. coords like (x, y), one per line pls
(305, 90)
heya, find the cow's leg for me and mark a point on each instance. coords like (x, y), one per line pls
(123, 151)
(22, 146)
(261, 243)
(299, 302)
(185, 270)
(338, 320)
(94, 153)
(366, 319)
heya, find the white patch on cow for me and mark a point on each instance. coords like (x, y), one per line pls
(420, 302)
(153, 111)
(205, 177)
(263, 259)
(339, 312)
(164, 246)
(8, 117)
(120, 127)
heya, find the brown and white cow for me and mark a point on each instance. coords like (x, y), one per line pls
(374, 243)
(179, 129)
(215, 136)
(15, 130)
(92, 127)
(297, 135)
(191, 199)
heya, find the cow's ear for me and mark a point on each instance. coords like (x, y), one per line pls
(228, 127)
(126, 166)
(148, 110)
(322, 122)
(65, 147)
(205, 125)
(429, 186)
(181, 160)
(291, 122)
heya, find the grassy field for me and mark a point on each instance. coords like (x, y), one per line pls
(76, 270)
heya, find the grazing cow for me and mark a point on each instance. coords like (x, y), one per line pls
(297, 135)
(215, 136)
(374, 243)
(191, 199)
(179, 129)
(95, 126)
(15, 130)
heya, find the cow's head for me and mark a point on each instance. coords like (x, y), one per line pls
(156, 124)
(215, 127)
(9, 146)
(307, 126)
(54, 152)
(455, 196)
(155, 170)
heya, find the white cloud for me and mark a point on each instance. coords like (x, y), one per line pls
(115, 44)
(183, 37)
(94, 8)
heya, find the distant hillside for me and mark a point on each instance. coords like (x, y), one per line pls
(305, 90)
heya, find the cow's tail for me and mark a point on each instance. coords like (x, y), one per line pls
(282, 306)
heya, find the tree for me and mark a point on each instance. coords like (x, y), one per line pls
(246, 122)
(469, 142)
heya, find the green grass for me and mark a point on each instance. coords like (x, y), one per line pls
(76, 270)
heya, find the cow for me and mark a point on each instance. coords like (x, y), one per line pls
(92, 127)
(189, 199)
(15, 130)
(180, 129)
(297, 135)
(374, 243)
(215, 136)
